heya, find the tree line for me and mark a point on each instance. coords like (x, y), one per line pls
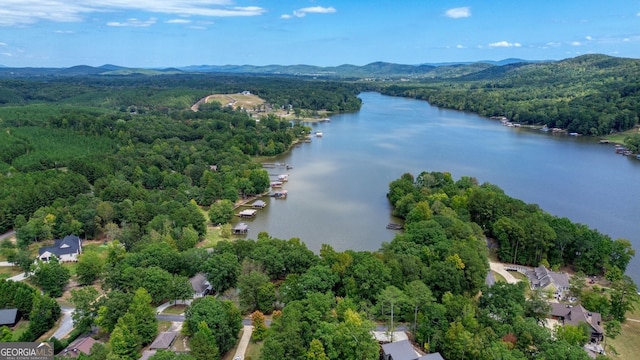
(592, 94)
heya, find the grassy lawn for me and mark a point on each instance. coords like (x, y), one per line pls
(163, 325)
(254, 350)
(498, 277)
(627, 344)
(175, 309)
(20, 328)
(619, 137)
(9, 271)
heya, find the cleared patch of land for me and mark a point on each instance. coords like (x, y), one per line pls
(257, 106)
(626, 345)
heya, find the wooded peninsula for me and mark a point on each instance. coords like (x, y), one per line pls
(125, 161)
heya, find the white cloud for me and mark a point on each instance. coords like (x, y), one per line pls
(285, 16)
(638, 14)
(16, 12)
(3, 44)
(554, 44)
(588, 37)
(457, 13)
(133, 22)
(576, 43)
(8, 54)
(63, 32)
(313, 10)
(460, 46)
(504, 44)
(178, 21)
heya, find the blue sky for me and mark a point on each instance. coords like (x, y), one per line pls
(164, 33)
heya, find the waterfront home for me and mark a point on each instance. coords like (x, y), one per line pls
(574, 315)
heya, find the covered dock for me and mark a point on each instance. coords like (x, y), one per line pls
(259, 204)
(247, 213)
(240, 229)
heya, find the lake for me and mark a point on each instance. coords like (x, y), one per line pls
(338, 184)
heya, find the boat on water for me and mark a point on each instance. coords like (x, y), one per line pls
(318, 133)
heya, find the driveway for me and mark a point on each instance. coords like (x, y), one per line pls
(244, 342)
(18, 277)
(66, 324)
(7, 235)
(499, 268)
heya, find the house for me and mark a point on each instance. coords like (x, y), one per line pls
(200, 285)
(403, 350)
(65, 250)
(164, 340)
(79, 346)
(574, 315)
(9, 317)
(543, 278)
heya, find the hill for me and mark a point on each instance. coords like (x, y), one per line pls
(589, 94)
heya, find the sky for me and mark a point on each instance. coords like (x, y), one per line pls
(175, 33)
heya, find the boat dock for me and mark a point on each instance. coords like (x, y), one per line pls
(248, 213)
(282, 194)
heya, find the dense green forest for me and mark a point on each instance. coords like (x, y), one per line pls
(135, 144)
(124, 159)
(590, 95)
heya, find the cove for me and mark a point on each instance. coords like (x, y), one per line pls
(338, 184)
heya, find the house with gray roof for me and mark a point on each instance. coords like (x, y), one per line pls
(574, 315)
(403, 350)
(543, 278)
(9, 317)
(200, 285)
(164, 340)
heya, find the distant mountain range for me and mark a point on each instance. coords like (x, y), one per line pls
(373, 71)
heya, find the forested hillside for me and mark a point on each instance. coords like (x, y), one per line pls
(590, 95)
(70, 144)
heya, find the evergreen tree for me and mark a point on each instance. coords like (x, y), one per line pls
(203, 344)
(123, 343)
(145, 322)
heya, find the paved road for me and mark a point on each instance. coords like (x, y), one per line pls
(499, 268)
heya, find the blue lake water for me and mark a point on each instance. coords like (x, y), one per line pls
(338, 182)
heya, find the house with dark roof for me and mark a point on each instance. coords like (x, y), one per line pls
(200, 285)
(543, 278)
(66, 249)
(403, 350)
(79, 346)
(574, 315)
(9, 317)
